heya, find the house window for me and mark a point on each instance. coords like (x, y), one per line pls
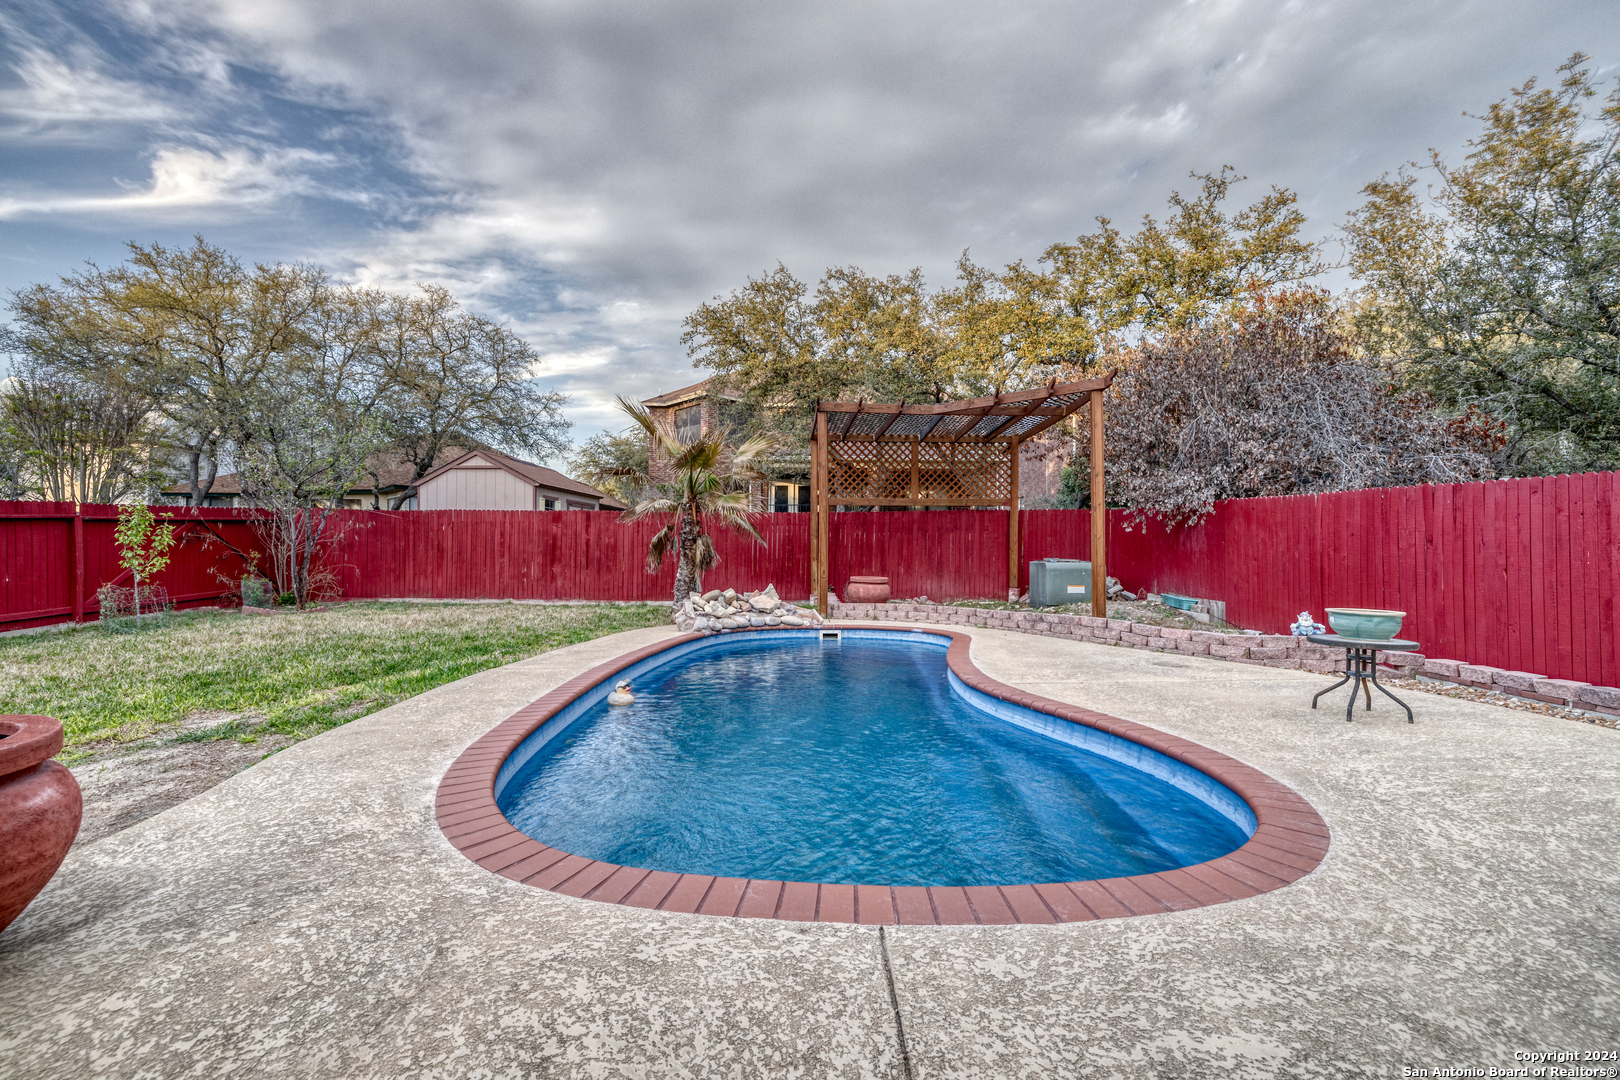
(689, 424)
(551, 504)
(790, 498)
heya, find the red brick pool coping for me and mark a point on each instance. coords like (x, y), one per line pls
(1289, 842)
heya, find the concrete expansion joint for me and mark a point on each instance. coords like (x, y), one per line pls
(894, 1003)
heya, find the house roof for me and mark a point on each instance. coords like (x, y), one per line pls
(393, 474)
(677, 397)
(527, 471)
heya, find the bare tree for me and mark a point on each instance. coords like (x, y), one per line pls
(1273, 403)
(451, 378)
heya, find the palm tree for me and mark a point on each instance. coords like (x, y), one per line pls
(694, 484)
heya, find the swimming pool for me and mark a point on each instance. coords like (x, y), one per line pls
(1287, 839)
(854, 760)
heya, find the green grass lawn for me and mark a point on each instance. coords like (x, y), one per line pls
(292, 675)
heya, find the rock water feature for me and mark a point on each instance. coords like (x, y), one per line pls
(718, 611)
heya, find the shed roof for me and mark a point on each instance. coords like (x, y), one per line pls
(527, 471)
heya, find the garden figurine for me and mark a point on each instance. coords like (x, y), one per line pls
(621, 693)
(1306, 626)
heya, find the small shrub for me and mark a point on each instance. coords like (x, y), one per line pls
(256, 592)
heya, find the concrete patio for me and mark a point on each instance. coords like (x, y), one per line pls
(308, 919)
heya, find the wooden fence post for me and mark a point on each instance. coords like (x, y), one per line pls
(78, 563)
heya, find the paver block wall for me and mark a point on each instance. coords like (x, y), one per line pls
(1268, 650)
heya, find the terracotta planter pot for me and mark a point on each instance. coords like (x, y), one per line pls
(867, 590)
(40, 808)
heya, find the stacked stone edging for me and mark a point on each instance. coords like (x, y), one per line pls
(1267, 650)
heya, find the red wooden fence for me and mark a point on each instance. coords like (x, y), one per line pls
(54, 556)
(1518, 574)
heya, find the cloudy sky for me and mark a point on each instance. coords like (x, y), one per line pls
(590, 170)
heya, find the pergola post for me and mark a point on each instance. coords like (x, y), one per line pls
(1099, 513)
(1012, 526)
(818, 512)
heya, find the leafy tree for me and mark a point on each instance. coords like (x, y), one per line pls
(1273, 402)
(193, 329)
(695, 485)
(69, 440)
(1199, 264)
(452, 378)
(611, 461)
(206, 341)
(1501, 288)
(143, 545)
(1010, 330)
(777, 347)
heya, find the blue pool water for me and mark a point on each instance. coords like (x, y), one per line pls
(855, 762)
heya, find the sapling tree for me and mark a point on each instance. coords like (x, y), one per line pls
(307, 453)
(143, 545)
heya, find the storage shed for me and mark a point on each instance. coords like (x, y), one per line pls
(490, 480)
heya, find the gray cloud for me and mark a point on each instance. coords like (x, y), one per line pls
(593, 170)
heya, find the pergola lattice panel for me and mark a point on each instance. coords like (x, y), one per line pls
(914, 473)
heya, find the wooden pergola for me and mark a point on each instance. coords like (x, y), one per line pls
(960, 453)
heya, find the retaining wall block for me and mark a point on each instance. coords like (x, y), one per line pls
(1516, 680)
(1093, 620)
(1144, 629)
(1477, 674)
(1265, 653)
(1565, 689)
(1175, 633)
(1136, 640)
(1325, 667)
(1604, 697)
(1229, 652)
(1440, 669)
(1192, 648)
(1209, 637)
(1122, 625)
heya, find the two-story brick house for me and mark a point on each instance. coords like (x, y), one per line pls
(693, 412)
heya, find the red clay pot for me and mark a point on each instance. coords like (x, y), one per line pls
(867, 590)
(40, 808)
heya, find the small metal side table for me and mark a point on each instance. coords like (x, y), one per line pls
(1361, 664)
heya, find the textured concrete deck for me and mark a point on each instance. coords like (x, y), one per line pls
(307, 918)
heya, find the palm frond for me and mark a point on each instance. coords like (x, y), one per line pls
(704, 556)
(658, 504)
(748, 457)
(659, 546)
(666, 442)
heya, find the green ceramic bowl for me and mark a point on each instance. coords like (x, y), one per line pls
(1368, 623)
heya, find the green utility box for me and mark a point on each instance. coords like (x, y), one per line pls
(1059, 581)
